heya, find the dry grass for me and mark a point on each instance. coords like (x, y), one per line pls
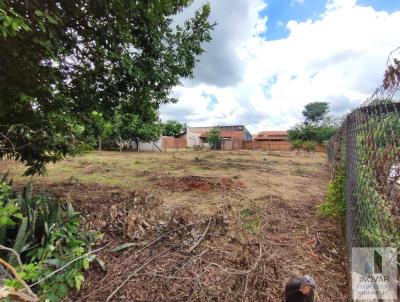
(270, 197)
(259, 172)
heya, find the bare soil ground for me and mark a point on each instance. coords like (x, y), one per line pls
(202, 226)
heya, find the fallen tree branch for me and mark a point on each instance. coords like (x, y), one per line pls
(159, 238)
(201, 238)
(131, 276)
(136, 254)
(240, 272)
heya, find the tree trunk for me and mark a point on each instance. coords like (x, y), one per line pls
(99, 138)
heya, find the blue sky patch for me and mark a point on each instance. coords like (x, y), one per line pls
(385, 5)
(213, 101)
(267, 87)
(280, 12)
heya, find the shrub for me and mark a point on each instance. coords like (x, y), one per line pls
(296, 144)
(335, 205)
(47, 235)
(309, 146)
(213, 138)
(306, 132)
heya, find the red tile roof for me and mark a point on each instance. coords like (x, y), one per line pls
(271, 135)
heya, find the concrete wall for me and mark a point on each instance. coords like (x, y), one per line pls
(151, 145)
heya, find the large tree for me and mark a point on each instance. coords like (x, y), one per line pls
(317, 126)
(62, 60)
(315, 112)
(129, 126)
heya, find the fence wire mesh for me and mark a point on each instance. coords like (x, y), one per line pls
(365, 152)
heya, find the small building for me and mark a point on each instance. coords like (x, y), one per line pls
(279, 136)
(232, 137)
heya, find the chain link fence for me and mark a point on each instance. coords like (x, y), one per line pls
(365, 156)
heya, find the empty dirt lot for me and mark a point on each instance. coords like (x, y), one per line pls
(202, 226)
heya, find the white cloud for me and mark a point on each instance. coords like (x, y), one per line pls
(263, 84)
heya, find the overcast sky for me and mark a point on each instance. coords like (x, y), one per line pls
(270, 58)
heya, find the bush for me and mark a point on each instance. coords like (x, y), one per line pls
(309, 146)
(296, 144)
(47, 236)
(306, 132)
(335, 206)
(213, 138)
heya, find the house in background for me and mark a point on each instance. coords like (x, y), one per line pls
(269, 140)
(232, 137)
(279, 136)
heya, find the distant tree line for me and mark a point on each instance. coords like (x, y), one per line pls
(121, 131)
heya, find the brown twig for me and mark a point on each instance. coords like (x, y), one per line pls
(17, 276)
(245, 288)
(9, 140)
(201, 238)
(285, 237)
(240, 272)
(131, 276)
(309, 249)
(2, 247)
(159, 238)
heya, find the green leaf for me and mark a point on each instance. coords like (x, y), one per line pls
(20, 239)
(54, 262)
(51, 19)
(85, 263)
(78, 281)
(15, 25)
(18, 215)
(39, 13)
(7, 21)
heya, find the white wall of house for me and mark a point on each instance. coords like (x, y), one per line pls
(150, 146)
(193, 136)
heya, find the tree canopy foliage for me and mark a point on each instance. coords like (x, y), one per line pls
(315, 112)
(214, 137)
(317, 126)
(304, 132)
(172, 128)
(62, 60)
(129, 126)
